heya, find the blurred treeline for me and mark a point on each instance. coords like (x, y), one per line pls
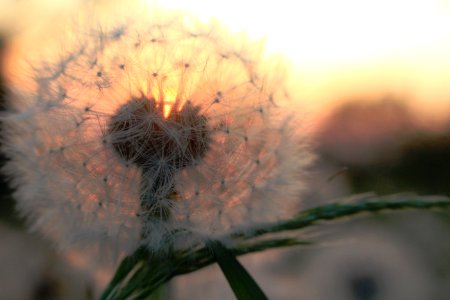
(382, 147)
(6, 201)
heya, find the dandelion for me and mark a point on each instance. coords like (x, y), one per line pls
(145, 130)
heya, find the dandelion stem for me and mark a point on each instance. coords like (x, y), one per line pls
(152, 206)
(190, 260)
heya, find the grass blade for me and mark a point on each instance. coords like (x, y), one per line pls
(241, 282)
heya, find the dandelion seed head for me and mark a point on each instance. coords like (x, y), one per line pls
(140, 133)
(148, 127)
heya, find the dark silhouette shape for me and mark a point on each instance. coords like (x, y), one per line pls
(7, 203)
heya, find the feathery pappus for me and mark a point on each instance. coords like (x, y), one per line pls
(142, 128)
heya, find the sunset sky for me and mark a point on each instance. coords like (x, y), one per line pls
(351, 49)
(339, 50)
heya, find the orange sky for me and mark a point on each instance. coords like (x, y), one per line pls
(339, 49)
(351, 48)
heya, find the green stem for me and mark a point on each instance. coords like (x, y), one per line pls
(125, 267)
(189, 260)
(334, 211)
(240, 281)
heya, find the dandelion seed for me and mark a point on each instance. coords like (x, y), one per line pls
(174, 131)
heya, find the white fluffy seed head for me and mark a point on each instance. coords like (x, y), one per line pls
(78, 187)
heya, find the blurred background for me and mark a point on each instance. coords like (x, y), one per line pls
(371, 81)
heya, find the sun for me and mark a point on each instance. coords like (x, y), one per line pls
(169, 102)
